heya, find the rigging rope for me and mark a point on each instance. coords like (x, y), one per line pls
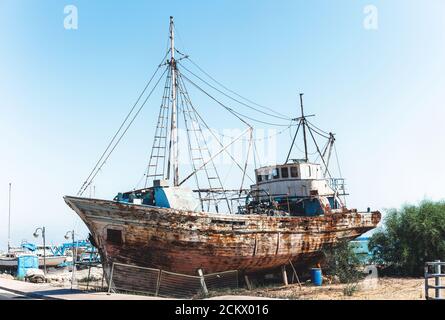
(296, 146)
(338, 163)
(122, 124)
(183, 89)
(216, 100)
(97, 168)
(237, 114)
(256, 139)
(238, 95)
(318, 130)
(230, 97)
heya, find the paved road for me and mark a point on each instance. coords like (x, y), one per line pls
(7, 295)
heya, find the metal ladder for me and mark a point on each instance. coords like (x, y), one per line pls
(156, 165)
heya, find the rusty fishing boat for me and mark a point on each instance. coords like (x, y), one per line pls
(290, 212)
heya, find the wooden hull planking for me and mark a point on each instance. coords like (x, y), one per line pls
(182, 241)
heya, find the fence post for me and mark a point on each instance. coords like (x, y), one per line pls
(111, 278)
(88, 279)
(438, 272)
(203, 283)
(158, 283)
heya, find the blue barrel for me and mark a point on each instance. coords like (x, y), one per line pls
(316, 276)
(25, 262)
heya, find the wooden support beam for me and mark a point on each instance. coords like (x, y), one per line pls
(249, 285)
(295, 273)
(283, 270)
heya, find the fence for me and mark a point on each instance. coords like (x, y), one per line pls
(93, 280)
(437, 269)
(134, 279)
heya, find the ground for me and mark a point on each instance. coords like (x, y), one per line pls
(383, 289)
(6, 295)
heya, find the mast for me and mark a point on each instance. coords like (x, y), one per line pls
(173, 158)
(9, 220)
(303, 121)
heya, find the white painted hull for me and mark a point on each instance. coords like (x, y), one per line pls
(8, 262)
(52, 261)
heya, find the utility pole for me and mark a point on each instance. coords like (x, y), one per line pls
(174, 129)
(74, 253)
(303, 122)
(36, 234)
(9, 220)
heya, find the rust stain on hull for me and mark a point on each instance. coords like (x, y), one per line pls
(184, 241)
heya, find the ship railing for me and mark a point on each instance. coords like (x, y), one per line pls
(338, 184)
(156, 282)
(435, 270)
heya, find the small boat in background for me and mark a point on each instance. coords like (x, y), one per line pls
(8, 260)
(49, 256)
(51, 259)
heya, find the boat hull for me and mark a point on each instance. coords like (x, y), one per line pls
(185, 241)
(51, 261)
(8, 262)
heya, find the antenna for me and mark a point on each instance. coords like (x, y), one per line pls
(303, 121)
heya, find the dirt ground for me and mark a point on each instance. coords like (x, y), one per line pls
(382, 289)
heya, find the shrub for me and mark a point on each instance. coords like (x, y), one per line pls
(410, 237)
(341, 261)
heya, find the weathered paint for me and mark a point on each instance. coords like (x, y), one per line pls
(185, 241)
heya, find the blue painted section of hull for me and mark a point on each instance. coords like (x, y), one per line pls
(161, 198)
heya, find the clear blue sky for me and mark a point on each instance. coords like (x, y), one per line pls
(64, 92)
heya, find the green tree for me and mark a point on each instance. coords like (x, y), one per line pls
(410, 237)
(343, 262)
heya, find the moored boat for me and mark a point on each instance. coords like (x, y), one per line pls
(8, 260)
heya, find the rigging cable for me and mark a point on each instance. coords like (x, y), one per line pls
(298, 148)
(338, 162)
(319, 131)
(183, 89)
(239, 115)
(257, 139)
(122, 125)
(238, 95)
(230, 97)
(164, 101)
(97, 167)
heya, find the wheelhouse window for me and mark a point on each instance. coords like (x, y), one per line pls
(259, 178)
(284, 172)
(294, 172)
(275, 173)
(114, 236)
